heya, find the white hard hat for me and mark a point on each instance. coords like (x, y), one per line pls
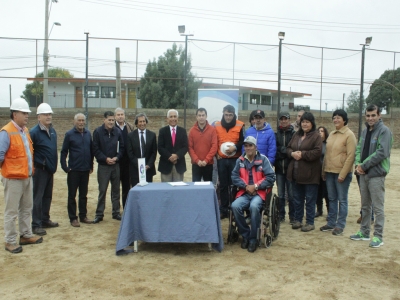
(20, 104)
(44, 108)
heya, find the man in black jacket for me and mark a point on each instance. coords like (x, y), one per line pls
(141, 143)
(283, 136)
(108, 148)
(172, 146)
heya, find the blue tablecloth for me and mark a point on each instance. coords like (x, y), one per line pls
(159, 212)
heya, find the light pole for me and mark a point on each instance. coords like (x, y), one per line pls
(46, 51)
(367, 43)
(87, 80)
(281, 36)
(181, 29)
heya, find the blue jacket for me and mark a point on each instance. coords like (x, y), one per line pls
(45, 148)
(266, 143)
(79, 149)
(105, 144)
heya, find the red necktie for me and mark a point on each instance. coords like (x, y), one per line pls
(173, 136)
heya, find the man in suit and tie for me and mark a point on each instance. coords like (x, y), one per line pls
(172, 146)
(141, 143)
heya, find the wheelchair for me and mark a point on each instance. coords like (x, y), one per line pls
(268, 230)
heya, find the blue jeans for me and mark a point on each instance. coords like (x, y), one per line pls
(225, 168)
(308, 192)
(284, 184)
(254, 204)
(338, 199)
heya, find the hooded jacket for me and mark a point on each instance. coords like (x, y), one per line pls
(266, 143)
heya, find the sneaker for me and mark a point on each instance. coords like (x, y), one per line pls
(38, 231)
(326, 228)
(13, 248)
(359, 237)
(296, 225)
(376, 242)
(307, 227)
(337, 231)
(31, 240)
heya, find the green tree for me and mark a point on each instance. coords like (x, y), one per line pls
(162, 85)
(383, 90)
(353, 102)
(34, 91)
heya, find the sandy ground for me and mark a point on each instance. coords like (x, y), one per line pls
(80, 263)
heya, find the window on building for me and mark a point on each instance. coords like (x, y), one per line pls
(254, 99)
(266, 100)
(108, 92)
(92, 91)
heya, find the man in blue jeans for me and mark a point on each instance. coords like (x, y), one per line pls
(78, 148)
(373, 164)
(283, 136)
(253, 175)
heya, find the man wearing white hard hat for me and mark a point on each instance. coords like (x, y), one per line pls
(16, 153)
(230, 141)
(44, 139)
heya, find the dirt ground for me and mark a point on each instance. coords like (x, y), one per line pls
(80, 263)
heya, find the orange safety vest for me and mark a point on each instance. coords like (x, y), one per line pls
(15, 164)
(231, 136)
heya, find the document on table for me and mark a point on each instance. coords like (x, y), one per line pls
(202, 183)
(179, 183)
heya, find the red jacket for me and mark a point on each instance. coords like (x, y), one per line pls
(263, 175)
(202, 144)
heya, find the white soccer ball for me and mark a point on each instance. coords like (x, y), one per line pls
(225, 147)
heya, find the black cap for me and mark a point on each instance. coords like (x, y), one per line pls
(284, 114)
(260, 113)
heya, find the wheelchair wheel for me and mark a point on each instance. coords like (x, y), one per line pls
(233, 234)
(267, 241)
(273, 215)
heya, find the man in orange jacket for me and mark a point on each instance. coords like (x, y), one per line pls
(16, 165)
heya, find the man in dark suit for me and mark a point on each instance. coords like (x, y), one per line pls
(142, 143)
(172, 146)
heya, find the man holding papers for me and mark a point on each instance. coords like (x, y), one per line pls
(108, 148)
(203, 145)
(141, 144)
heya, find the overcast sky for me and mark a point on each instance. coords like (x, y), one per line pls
(334, 24)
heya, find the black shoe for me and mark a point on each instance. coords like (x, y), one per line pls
(117, 217)
(223, 216)
(318, 214)
(245, 244)
(39, 231)
(252, 247)
(97, 220)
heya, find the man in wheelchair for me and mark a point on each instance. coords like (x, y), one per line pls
(252, 175)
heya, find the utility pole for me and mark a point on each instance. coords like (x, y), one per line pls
(46, 55)
(10, 95)
(87, 80)
(118, 80)
(343, 100)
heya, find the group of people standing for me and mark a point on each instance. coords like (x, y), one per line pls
(301, 154)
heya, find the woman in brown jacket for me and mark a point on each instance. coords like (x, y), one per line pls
(305, 149)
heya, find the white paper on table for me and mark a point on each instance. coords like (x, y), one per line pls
(179, 183)
(202, 183)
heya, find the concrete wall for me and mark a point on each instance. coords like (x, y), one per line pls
(63, 120)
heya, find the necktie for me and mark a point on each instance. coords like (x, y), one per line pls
(173, 136)
(143, 144)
